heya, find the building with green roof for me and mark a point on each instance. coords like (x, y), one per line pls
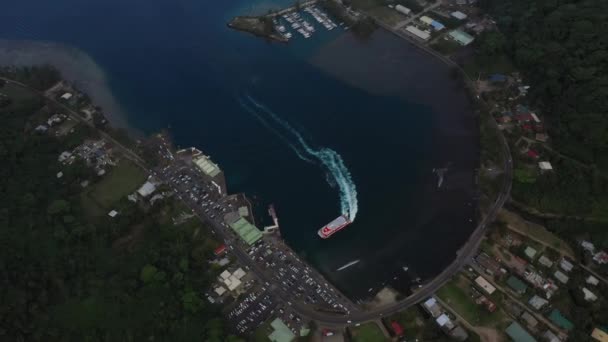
(518, 334)
(247, 231)
(461, 37)
(281, 332)
(207, 166)
(559, 320)
(517, 285)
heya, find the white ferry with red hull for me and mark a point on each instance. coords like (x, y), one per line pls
(334, 226)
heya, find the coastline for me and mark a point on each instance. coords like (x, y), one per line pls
(76, 67)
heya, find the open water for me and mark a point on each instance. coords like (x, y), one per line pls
(318, 127)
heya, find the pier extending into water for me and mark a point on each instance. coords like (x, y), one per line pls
(293, 8)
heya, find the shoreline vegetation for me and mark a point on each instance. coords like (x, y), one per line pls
(261, 26)
(125, 271)
(75, 67)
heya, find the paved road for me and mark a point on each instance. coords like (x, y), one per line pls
(401, 24)
(357, 316)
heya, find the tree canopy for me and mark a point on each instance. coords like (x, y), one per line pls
(561, 46)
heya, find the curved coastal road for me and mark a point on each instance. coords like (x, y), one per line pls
(464, 255)
(469, 249)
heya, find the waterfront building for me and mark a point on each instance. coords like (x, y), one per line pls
(432, 307)
(245, 230)
(424, 35)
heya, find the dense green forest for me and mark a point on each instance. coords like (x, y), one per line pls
(68, 276)
(561, 46)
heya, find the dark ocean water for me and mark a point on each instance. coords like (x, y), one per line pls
(390, 112)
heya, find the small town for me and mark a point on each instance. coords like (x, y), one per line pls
(522, 276)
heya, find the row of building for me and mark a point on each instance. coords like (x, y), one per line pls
(445, 323)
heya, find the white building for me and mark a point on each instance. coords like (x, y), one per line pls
(232, 283)
(66, 96)
(561, 277)
(403, 10)
(588, 246)
(225, 275)
(589, 296)
(424, 35)
(543, 260)
(113, 213)
(432, 307)
(220, 290)
(458, 15)
(566, 265)
(426, 20)
(485, 285)
(445, 322)
(545, 166)
(146, 189)
(591, 280)
(239, 273)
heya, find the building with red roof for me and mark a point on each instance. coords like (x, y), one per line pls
(221, 249)
(397, 329)
(533, 154)
(525, 117)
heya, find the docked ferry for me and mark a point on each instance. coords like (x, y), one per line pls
(332, 227)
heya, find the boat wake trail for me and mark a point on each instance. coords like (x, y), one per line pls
(329, 159)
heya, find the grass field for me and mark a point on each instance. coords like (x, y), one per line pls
(387, 15)
(455, 294)
(17, 93)
(535, 232)
(368, 332)
(261, 333)
(444, 46)
(121, 181)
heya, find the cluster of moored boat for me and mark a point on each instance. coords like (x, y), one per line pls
(321, 17)
(302, 26)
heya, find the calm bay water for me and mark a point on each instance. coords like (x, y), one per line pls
(389, 111)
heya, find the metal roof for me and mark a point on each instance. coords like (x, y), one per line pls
(519, 334)
(246, 231)
(281, 332)
(516, 284)
(207, 166)
(461, 37)
(459, 15)
(561, 321)
(426, 20)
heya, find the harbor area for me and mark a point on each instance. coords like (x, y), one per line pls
(298, 21)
